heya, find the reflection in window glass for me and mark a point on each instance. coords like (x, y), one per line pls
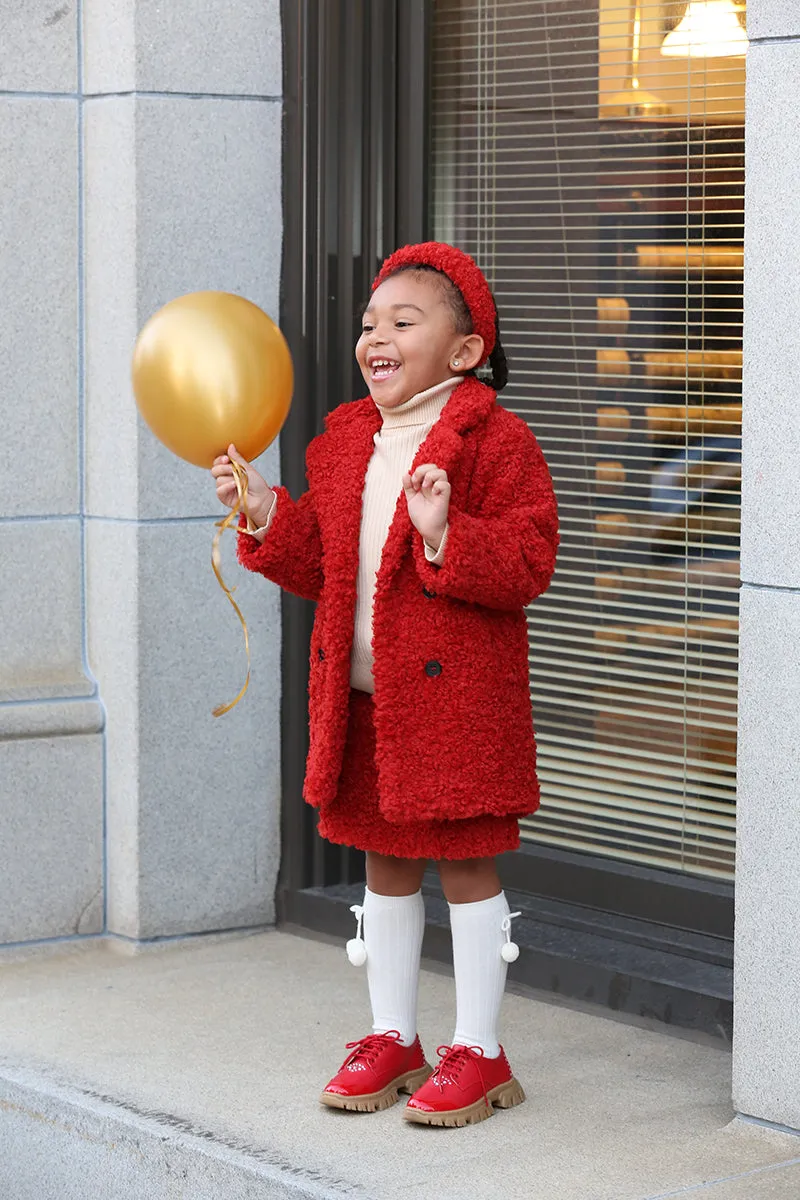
(592, 159)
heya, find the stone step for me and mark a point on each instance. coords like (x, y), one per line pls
(190, 1070)
(65, 1143)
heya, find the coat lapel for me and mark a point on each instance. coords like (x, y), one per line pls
(469, 405)
(340, 468)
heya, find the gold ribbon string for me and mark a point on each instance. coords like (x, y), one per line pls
(240, 478)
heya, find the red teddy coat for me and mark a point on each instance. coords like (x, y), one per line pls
(452, 711)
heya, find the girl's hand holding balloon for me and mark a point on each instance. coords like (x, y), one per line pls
(260, 496)
(210, 369)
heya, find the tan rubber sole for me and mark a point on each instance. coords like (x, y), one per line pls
(377, 1101)
(506, 1095)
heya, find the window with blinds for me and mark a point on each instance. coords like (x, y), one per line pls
(590, 155)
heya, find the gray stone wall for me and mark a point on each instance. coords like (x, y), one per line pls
(141, 145)
(767, 963)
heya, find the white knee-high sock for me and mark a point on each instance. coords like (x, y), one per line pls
(393, 929)
(480, 971)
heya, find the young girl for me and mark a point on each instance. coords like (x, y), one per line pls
(429, 523)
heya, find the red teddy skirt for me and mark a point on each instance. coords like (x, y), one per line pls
(353, 817)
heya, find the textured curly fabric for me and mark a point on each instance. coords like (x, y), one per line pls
(462, 271)
(354, 817)
(453, 721)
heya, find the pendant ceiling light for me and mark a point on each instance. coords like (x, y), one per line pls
(634, 102)
(708, 29)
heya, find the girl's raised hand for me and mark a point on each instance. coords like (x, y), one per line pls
(260, 496)
(428, 497)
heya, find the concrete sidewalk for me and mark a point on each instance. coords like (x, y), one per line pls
(191, 1070)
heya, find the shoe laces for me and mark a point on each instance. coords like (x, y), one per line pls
(368, 1048)
(453, 1060)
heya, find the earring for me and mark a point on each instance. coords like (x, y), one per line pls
(456, 362)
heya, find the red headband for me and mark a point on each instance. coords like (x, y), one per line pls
(462, 271)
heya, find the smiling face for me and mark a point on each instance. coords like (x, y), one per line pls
(410, 337)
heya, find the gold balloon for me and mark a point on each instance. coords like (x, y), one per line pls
(210, 368)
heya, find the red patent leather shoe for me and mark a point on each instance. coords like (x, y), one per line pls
(466, 1087)
(377, 1068)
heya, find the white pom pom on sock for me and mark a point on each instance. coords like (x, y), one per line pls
(510, 950)
(356, 948)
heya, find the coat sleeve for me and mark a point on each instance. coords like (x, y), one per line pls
(291, 552)
(502, 555)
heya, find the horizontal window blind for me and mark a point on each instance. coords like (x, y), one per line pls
(599, 183)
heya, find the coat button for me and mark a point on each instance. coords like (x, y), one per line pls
(321, 654)
(427, 592)
(433, 668)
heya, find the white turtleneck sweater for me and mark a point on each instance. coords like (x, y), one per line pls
(403, 431)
